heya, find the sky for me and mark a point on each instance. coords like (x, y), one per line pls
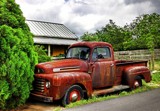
(82, 16)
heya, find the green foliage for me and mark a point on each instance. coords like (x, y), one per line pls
(115, 35)
(156, 78)
(147, 32)
(42, 56)
(111, 33)
(89, 37)
(157, 65)
(17, 56)
(142, 33)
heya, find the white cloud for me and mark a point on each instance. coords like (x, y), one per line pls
(85, 15)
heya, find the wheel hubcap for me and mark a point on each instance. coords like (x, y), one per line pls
(136, 84)
(74, 96)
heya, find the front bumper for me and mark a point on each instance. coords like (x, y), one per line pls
(41, 98)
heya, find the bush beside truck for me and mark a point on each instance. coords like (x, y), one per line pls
(17, 56)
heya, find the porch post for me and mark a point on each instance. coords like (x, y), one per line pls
(49, 50)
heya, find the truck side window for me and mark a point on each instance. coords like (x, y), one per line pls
(101, 53)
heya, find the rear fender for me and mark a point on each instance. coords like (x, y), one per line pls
(130, 73)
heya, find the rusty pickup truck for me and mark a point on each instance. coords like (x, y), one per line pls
(88, 69)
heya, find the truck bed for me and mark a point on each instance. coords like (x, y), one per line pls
(124, 62)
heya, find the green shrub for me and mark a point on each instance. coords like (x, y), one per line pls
(17, 56)
(157, 65)
(156, 78)
(42, 55)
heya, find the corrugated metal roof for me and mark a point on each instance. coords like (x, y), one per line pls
(47, 29)
(53, 41)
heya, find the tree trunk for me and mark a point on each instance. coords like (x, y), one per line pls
(152, 60)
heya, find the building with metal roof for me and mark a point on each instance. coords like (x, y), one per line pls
(55, 37)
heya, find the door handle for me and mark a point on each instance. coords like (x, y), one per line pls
(112, 65)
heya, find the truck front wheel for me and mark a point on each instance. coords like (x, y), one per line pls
(73, 94)
(137, 82)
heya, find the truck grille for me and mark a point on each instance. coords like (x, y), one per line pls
(38, 85)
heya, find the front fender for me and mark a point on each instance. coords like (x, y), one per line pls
(62, 81)
(130, 73)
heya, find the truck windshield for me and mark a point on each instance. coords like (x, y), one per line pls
(78, 52)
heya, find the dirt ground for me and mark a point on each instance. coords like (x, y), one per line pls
(39, 106)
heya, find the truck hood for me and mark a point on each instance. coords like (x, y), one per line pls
(65, 65)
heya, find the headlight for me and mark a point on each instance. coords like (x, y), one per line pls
(48, 84)
(38, 70)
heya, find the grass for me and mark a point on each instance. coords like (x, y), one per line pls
(157, 65)
(155, 83)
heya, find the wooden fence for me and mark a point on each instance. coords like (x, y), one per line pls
(136, 55)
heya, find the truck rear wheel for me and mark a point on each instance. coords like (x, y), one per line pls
(137, 82)
(73, 94)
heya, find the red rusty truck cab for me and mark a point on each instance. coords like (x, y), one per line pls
(88, 69)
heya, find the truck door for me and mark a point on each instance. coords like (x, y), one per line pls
(103, 68)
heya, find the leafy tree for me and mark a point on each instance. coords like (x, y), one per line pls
(128, 42)
(146, 28)
(89, 37)
(17, 56)
(115, 35)
(111, 33)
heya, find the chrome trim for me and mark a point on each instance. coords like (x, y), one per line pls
(66, 69)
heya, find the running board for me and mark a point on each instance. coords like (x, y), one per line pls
(109, 90)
